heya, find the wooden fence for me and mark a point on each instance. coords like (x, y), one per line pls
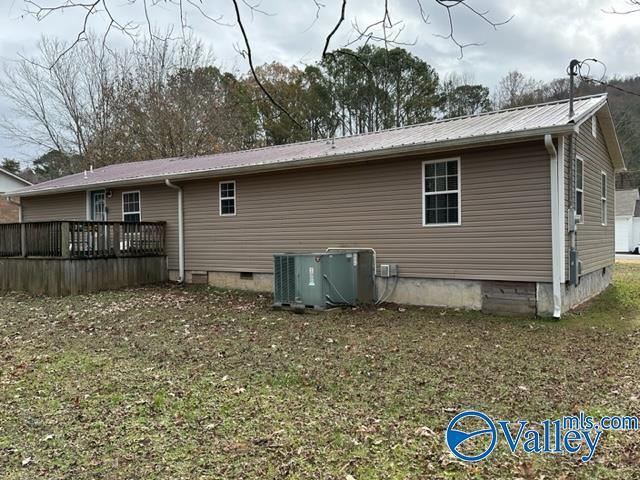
(75, 239)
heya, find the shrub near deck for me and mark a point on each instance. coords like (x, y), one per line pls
(198, 383)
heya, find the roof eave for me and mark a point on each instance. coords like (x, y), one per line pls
(432, 147)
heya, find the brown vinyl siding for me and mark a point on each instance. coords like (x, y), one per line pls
(62, 206)
(505, 232)
(157, 203)
(596, 243)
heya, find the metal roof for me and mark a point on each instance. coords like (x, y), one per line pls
(499, 126)
(627, 203)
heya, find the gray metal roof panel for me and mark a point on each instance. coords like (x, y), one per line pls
(483, 126)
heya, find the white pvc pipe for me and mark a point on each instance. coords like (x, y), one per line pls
(557, 249)
(180, 229)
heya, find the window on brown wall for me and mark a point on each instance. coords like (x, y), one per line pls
(579, 181)
(603, 198)
(227, 193)
(131, 210)
(441, 192)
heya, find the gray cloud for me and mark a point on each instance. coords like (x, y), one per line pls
(539, 41)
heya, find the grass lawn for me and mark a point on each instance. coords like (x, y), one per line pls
(201, 383)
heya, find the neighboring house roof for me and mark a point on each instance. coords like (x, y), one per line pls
(501, 126)
(11, 178)
(628, 203)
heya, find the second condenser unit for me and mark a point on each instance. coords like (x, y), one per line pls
(323, 280)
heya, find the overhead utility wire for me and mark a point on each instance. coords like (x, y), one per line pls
(587, 78)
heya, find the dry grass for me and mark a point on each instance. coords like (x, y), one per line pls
(200, 383)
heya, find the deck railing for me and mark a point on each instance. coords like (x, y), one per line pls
(80, 239)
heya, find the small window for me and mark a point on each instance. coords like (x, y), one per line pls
(227, 198)
(603, 198)
(594, 126)
(579, 190)
(441, 192)
(131, 207)
(98, 206)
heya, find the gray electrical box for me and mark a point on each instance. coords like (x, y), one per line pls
(323, 280)
(575, 268)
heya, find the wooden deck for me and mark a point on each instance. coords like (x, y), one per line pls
(69, 257)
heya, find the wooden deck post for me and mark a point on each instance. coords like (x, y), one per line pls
(117, 240)
(65, 240)
(23, 239)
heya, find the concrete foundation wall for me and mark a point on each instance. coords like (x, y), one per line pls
(408, 291)
(432, 292)
(467, 294)
(590, 285)
(261, 282)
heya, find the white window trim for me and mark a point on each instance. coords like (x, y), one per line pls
(235, 201)
(580, 219)
(604, 203)
(594, 126)
(139, 212)
(89, 207)
(458, 191)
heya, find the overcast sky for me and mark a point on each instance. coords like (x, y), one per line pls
(539, 41)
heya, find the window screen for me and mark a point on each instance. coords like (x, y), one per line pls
(579, 189)
(603, 198)
(228, 198)
(442, 192)
(131, 206)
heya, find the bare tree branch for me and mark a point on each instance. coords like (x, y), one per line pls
(335, 29)
(252, 67)
(449, 5)
(384, 30)
(633, 7)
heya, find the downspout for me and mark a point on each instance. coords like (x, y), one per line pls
(19, 205)
(180, 229)
(556, 229)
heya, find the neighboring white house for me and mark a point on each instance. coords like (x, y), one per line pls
(9, 212)
(627, 220)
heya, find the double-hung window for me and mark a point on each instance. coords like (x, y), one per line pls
(441, 192)
(98, 206)
(131, 211)
(603, 198)
(579, 190)
(227, 198)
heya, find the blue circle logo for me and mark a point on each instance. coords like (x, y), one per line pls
(456, 438)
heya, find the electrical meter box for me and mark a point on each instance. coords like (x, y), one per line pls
(323, 280)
